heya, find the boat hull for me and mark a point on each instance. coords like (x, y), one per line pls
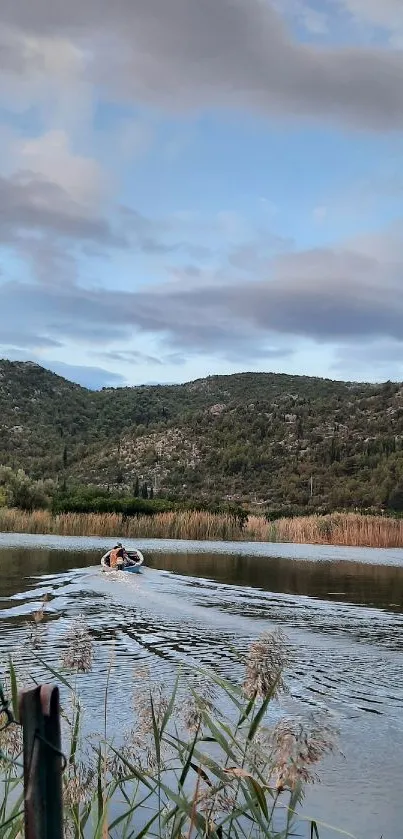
(137, 556)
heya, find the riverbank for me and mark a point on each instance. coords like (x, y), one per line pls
(348, 529)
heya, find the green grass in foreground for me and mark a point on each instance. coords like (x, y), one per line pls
(185, 769)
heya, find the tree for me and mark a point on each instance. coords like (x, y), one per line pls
(136, 488)
(144, 491)
(22, 492)
(151, 495)
(395, 501)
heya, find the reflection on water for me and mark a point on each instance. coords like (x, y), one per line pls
(376, 585)
(354, 582)
(342, 613)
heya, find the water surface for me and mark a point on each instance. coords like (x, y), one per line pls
(198, 602)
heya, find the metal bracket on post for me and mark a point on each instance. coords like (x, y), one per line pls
(39, 711)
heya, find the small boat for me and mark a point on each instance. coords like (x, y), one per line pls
(132, 569)
(137, 559)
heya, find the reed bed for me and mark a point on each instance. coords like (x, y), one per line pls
(348, 529)
(185, 769)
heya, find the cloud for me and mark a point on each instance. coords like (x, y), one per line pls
(53, 203)
(304, 14)
(50, 157)
(137, 357)
(233, 53)
(379, 360)
(131, 357)
(387, 14)
(97, 317)
(30, 202)
(341, 296)
(93, 378)
(57, 205)
(314, 21)
(45, 73)
(54, 206)
(10, 339)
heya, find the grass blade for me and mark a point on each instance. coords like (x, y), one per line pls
(171, 705)
(14, 689)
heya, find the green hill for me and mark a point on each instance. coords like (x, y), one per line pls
(259, 437)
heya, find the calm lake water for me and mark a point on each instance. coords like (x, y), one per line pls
(196, 602)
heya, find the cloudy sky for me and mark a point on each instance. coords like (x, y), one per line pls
(190, 187)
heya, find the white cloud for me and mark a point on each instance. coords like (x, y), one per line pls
(51, 157)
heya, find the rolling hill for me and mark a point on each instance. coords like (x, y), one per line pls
(265, 438)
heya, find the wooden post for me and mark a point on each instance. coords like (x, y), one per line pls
(43, 763)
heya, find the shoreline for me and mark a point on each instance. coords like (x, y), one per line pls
(337, 529)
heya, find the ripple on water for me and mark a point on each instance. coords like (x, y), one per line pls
(348, 654)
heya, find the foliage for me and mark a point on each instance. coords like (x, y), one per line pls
(185, 768)
(95, 500)
(18, 490)
(278, 441)
(395, 501)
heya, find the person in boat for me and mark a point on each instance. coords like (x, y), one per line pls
(117, 558)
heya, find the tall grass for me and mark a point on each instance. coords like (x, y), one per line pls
(342, 529)
(336, 529)
(185, 769)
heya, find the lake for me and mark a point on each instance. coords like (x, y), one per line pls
(199, 602)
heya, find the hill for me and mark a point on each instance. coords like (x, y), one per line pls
(261, 437)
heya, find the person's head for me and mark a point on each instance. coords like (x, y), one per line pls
(117, 546)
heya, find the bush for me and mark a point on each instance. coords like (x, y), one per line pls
(92, 500)
(18, 490)
(395, 501)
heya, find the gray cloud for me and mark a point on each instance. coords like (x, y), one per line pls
(151, 236)
(30, 202)
(380, 360)
(93, 378)
(131, 357)
(136, 357)
(387, 14)
(235, 53)
(48, 229)
(10, 338)
(339, 296)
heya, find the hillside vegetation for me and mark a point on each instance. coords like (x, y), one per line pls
(273, 440)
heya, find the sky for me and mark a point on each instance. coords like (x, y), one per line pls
(195, 187)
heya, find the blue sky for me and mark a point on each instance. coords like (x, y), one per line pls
(191, 187)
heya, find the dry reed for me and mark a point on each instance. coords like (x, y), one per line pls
(350, 529)
(265, 664)
(337, 529)
(166, 775)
